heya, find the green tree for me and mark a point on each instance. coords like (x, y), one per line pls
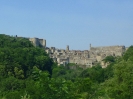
(120, 86)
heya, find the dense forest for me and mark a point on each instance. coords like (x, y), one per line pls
(27, 72)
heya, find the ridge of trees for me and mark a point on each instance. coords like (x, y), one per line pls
(18, 57)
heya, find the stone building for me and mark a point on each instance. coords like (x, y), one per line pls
(85, 58)
(38, 42)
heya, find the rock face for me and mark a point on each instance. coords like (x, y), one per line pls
(86, 58)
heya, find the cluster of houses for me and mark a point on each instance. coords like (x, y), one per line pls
(85, 58)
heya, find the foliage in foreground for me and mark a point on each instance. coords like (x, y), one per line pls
(120, 86)
(26, 73)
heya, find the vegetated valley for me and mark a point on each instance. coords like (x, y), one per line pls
(27, 72)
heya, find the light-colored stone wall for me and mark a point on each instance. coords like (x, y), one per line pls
(86, 58)
(38, 42)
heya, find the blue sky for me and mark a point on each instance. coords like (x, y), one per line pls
(76, 23)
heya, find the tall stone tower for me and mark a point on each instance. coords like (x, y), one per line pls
(67, 48)
(90, 46)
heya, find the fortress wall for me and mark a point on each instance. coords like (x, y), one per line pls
(109, 50)
(42, 42)
(35, 41)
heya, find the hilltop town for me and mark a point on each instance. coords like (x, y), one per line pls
(85, 59)
(22, 65)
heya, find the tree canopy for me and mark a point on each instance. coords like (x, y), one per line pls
(18, 57)
(27, 72)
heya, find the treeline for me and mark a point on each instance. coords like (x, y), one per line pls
(27, 72)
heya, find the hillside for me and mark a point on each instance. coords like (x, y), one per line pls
(27, 72)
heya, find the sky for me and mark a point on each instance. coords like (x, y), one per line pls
(77, 23)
